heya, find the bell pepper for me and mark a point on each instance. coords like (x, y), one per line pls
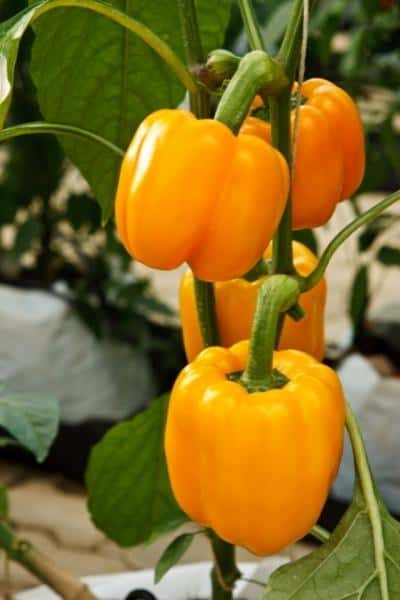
(191, 191)
(255, 467)
(330, 154)
(235, 306)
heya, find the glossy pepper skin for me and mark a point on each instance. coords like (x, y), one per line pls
(235, 307)
(256, 468)
(330, 155)
(191, 191)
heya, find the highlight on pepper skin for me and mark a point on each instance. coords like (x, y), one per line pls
(191, 191)
(237, 460)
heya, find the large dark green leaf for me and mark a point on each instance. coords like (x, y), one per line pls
(130, 497)
(359, 562)
(92, 73)
(32, 419)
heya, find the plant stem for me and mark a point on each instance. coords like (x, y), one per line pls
(57, 129)
(370, 215)
(102, 8)
(282, 254)
(224, 570)
(199, 98)
(41, 566)
(320, 533)
(250, 23)
(290, 47)
(256, 71)
(205, 302)
(368, 490)
(276, 295)
(282, 258)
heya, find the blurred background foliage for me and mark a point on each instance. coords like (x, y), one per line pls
(51, 237)
(50, 231)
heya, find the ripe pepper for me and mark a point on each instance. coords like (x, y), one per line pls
(235, 306)
(190, 190)
(330, 154)
(255, 467)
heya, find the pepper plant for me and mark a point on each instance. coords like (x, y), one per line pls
(253, 435)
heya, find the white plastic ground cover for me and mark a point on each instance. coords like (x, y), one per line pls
(187, 582)
(376, 403)
(45, 348)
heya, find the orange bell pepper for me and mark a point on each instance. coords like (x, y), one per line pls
(255, 467)
(235, 306)
(191, 191)
(330, 154)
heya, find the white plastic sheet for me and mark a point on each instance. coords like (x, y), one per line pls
(44, 347)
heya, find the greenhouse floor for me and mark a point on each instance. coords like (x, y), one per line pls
(51, 513)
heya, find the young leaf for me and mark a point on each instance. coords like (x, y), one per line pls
(361, 561)
(130, 498)
(103, 78)
(172, 554)
(32, 419)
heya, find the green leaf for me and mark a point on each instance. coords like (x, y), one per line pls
(82, 210)
(353, 565)
(100, 77)
(130, 498)
(172, 554)
(3, 502)
(11, 32)
(359, 300)
(32, 419)
(389, 256)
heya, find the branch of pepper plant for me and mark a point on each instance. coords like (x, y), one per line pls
(306, 283)
(38, 564)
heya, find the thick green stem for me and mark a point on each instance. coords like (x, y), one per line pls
(251, 25)
(102, 8)
(57, 129)
(276, 296)
(257, 71)
(205, 302)
(225, 572)
(370, 215)
(41, 566)
(290, 47)
(282, 255)
(199, 98)
(282, 260)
